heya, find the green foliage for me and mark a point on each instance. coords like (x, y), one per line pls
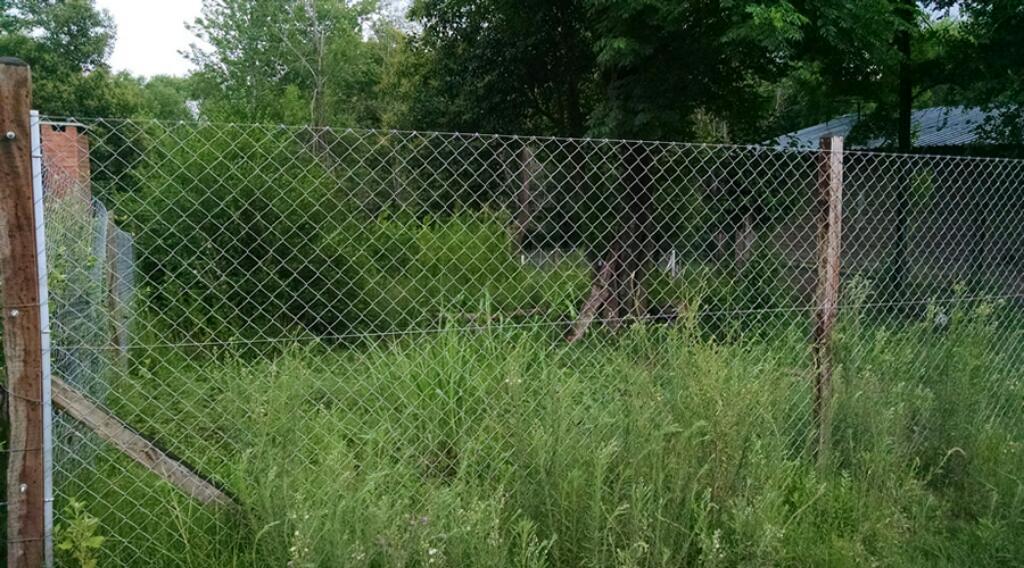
(72, 265)
(265, 240)
(244, 248)
(573, 67)
(498, 447)
(73, 35)
(166, 98)
(79, 538)
(502, 66)
(607, 68)
(77, 287)
(312, 56)
(728, 46)
(419, 273)
(988, 64)
(67, 44)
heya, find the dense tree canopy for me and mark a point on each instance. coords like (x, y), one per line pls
(67, 43)
(316, 63)
(990, 62)
(700, 70)
(729, 70)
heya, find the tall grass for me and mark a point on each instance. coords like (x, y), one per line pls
(655, 447)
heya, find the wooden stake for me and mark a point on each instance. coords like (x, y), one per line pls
(118, 315)
(22, 331)
(135, 446)
(830, 217)
(523, 220)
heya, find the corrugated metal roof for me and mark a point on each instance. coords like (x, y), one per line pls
(936, 126)
(63, 123)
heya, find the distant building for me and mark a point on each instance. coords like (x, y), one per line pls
(937, 130)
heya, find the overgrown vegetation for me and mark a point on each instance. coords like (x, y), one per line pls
(336, 327)
(657, 447)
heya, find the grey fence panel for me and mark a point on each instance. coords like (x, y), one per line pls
(417, 332)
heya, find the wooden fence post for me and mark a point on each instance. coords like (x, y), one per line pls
(115, 305)
(22, 325)
(524, 206)
(830, 230)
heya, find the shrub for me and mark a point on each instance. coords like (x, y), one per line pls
(418, 273)
(229, 227)
(238, 234)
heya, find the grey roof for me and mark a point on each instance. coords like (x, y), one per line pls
(64, 123)
(936, 126)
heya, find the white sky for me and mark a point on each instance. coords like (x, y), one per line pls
(150, 33)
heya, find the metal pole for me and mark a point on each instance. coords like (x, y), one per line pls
(44, 336)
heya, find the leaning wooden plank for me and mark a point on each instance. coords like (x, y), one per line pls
(135, 446)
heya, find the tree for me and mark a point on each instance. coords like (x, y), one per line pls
(624, 69)
(67, 43)
(991, 57)
(881, 58)
(164, 97)
(504, 65)
(659, 64)
(291, 61)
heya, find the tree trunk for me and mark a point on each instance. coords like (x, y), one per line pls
(523, 220)
(898, 269)
(745, 238)
(618, 294)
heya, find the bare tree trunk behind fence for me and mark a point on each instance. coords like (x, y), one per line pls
(618, 289)
(524, 201)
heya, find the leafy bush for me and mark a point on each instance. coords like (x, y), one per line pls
(229, 227)
(418, 273)
(756, 298)
(79, 538)
(239, 236)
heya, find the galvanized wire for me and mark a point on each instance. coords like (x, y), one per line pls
(189, 251)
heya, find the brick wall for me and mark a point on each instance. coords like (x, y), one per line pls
(65, 160)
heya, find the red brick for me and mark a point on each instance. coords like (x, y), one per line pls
(65, 160)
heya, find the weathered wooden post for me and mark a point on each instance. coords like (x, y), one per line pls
(23, 342)
(524, 199)
(115, 303)
(830, 230)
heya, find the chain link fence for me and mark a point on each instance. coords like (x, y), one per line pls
(380, 344)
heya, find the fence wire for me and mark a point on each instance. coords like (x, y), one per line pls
(419, 332)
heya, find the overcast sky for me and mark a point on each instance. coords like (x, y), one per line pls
(150, 33)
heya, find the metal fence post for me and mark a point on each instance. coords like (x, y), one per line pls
(23, 314)
(830, 219)
(44, 331)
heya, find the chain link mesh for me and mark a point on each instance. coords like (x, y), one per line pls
(368, 329)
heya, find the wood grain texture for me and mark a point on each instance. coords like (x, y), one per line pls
(141, 450)
(830, 231)
(22, 339)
